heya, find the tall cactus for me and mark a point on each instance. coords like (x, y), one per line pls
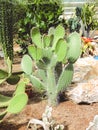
(6, 28)
(6, 23)
(47, 52)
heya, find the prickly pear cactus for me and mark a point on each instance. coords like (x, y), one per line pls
(49, 53)
(15, 103)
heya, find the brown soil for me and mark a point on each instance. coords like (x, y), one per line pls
(71, 115)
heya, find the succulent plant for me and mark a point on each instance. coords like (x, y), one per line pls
(46, 53)
(15, 103)
(6, 29)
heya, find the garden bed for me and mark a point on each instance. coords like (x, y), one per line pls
(73, 116)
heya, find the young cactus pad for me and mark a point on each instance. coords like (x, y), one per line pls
(36, 37)
(59, 33)
(61, 49)
(74, 44)
(65, 77)
(27, 64)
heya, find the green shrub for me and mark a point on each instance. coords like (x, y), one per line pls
(88, 17)
(42, 14)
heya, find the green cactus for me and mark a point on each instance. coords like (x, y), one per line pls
(74, 43)
(65, 77)
(6, 28)
(3, 74)
(55, 51)
(59, 33)
(26, 61)
(4, 100)
(7, 21)
(61, 49)
(35, 52)
(15, 103)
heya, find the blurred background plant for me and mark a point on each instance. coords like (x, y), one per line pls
(90, 23)
(74, 23)
(85, 22)
(42, 14)
(89, 18)
(88, 47)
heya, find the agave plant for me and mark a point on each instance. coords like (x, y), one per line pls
(46, 53)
